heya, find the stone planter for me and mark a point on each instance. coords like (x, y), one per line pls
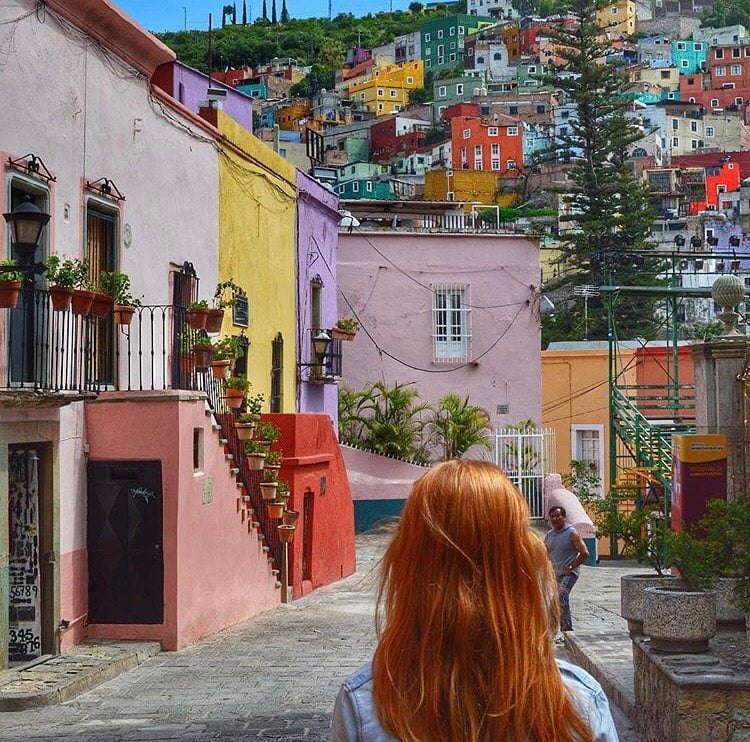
(632, 590)
(678, 621)
(728, 616)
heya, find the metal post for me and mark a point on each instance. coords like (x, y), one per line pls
(285, 572)
(612, 434)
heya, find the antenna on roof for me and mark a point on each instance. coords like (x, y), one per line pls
(210, 63)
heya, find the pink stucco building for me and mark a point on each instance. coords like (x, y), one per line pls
(448, 304)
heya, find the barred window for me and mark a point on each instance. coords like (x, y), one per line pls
(450, 311)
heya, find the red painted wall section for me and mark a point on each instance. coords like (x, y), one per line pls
(311, 452)
(215, 572)
(654, 366)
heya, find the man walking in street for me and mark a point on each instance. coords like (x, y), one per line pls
(567, 552)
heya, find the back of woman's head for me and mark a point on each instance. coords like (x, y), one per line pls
(470, 603)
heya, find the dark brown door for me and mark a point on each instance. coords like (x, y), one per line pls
(126, 568)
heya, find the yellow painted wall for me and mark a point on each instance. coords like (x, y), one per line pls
(390, 80)
(575, 391)
(619, 17)
(476, 186)
(257, 249)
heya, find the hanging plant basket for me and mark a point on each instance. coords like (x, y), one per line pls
(61, 297)
(245, 431)
(255, 461)
(338, 334)
(221, 369)
(235, 398)
(214, 320)
(197, 317)
(275, 509)
(82, 301)
(268, 490)
(9, 292)
(124, 314)
(102, 304)
(203, 353)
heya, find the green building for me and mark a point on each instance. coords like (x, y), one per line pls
(443, 39)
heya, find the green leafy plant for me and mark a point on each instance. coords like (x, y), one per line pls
(117, 285)
(458, 425)
(10, 276)
(82, 278)
(583, 480)
(228, 348)
(282, 488)
(273, 458)
(693, 559)
(202, 304)
(247, 418)
(226, 294)
(269, 476)
(267, 432)
(254, 404)
(61, 272)
(238, 382)
(347, 325)
(254, 446)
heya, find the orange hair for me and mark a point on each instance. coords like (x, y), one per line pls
(470, 606)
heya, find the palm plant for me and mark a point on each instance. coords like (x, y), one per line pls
(457, 426)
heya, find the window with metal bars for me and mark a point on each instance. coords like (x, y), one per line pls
(277, 373)
(451, 330)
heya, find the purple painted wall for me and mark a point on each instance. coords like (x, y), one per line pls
(188, 86)
(317, 239)
(502, 276)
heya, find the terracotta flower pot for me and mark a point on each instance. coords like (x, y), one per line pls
(61, 297)
(124, 314)
(245, 431)
(214, 319)
(235, 398)
(221, 369)
(339, 334)
(102, 304)
(203, 352)
(255, 461)
(286, 533)
(197, 318)
(275, 510)
(275, 468)
(291, 517)
(268, 490)
(82, 301)
(9, 292)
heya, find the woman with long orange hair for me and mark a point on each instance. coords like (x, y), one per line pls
(470, 609)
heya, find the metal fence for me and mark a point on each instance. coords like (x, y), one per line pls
(527, 456)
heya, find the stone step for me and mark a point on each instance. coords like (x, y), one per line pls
(223, 441)
(229, 456)
(234, 470)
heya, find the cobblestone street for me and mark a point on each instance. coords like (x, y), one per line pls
(274, 677)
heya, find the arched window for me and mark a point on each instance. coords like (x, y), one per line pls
(497, 56)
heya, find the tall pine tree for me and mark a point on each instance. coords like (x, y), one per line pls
(609, 212)
(273, 12)
(264, 17)
(284, 12)
(244, 12)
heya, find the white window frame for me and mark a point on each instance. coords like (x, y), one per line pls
(512, 131)
(451, 323)
(709, 132)
(492, 131)
(459, 88)
(467, 133)
(575, 450)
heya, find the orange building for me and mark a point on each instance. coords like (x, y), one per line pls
(477, 144)
(293, 116)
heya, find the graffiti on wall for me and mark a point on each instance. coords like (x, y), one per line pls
(25, 620)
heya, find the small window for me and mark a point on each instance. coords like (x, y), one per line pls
(738, 101)
(368, 186)
(477, 150)
(694, 126)
(512, 131)
(511, 164)
(681, 45)
(409, 80)
(735, 52)
(441, 60)
(452, 31)
(532, 69)
(497, 56)
(495, 150)
(675, 124)
(380, 106)
(450, 315)
(495, 165)
(613, 11)
(714, 102)
(719, 53)
(459, 89)
(427, 38)
(440, 34)
(452, 57)
(355, 186)
(427, 52)
(381, 92)
(480, 60)
(684, 63)
(675, 142)
(736, 69)
(428, 62)
(513, 110)
(709, 132)
(197, 450)
(394, 93)
(721, 70)
(698, 46)
(461, 30)
(467, 133)
(540, 109)
(492, 132)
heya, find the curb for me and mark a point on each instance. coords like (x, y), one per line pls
(71, 686)
(609, 683)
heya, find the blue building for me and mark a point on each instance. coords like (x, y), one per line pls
(689, 56)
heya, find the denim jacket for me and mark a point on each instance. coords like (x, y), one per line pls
(355, 719)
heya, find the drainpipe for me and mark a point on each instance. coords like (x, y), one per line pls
(275, 137)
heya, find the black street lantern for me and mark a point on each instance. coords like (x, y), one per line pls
(321, 343)
(679, 240)
(696, 241)
(26, 223)
(734, 241)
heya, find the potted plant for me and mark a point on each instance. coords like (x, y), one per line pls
(282, 492)
(226, 351)
(221, 301)
(286, 533)
(245, 427)
(254, 405)
(103, 302)
(268, 486)
(345, 329)
(10, 285)
(256, 455)
(197, 314)
(83, 296)
(273, 462)
(682, 618)
(266, 433)
(236, 389)
(203, 351)
(117, 285)
(290, 517)
(275, 509)
(61, 275)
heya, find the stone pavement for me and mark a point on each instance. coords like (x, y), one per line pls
(274, 677)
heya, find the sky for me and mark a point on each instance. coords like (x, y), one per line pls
(170, 15)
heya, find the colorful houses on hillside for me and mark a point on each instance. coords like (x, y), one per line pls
(128, 506)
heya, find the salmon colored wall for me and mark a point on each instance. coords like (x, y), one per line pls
(655, 366)
(311, 451)
(215, 573)
(74, 599)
